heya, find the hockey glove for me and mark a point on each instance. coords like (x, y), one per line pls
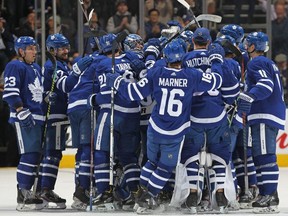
(81, 65)
(216, 53)
(91, 101)
(137, 66)
(50, 97)
(154, 47)
(113, 80)
(244, 102)
(25, 118)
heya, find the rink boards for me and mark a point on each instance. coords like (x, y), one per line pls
(68, 159)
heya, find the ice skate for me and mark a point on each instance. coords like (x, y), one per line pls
(52, 201)
(128, 204)
(191, 202)
(222, 202)
(245, 200)
(266, 204)
(80, 199)
(27, 201)
(104, 202)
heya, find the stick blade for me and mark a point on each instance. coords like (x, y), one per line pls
(184, 3)
(209, 17)
(121, 36)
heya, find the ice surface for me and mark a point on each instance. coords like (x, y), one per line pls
(65, 188)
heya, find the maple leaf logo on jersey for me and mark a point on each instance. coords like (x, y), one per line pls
(36, 90)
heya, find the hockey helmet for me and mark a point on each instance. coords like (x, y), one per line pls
(132, 42)
(258, 39)
(175, 50)
(55, 41)
(228, 38)
(106, 42)
(23, 42)
(234, 31)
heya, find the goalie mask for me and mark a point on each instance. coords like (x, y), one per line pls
(133, 42)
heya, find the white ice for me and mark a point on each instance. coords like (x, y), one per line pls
(65, 188)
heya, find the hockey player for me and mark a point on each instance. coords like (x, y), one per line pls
(80, 114)
(172, 88)
(127, 136)
(262, 102)
(58, 46)
(209, 131)
(245, 200)
(23, 92)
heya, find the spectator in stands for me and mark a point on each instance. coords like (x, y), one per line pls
(7, 51)
(28, 27)
(279, 30)
(153, 27)
(122, 19)
(165, 7)
(281, 61)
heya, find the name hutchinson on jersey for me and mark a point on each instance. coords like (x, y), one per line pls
(173, 82)
(196, 62)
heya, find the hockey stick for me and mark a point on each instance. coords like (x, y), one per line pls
(120, 37)
(44, 132)
(201, 17)
(187, 6)
(92, 113)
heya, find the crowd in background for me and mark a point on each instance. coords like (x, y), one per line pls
(17, 18)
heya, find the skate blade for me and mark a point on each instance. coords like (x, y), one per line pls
(223, 210)
(29, 207)
(106, 207)
(54, 206)
(79, 206)
(246, 205)
(266, 210)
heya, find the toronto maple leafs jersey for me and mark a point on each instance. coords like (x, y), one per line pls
(63, 84)
(263, 81)
(208, 108)
(172, 90)
(122, 106)
(87, 85)
(230, 88)
(23, 87)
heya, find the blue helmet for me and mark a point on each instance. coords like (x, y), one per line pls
(259, 40)
(229, 39)
(175, 50)
(131, 42)
(55, 41)
(234, 31)
(106, 42)
(23, 42)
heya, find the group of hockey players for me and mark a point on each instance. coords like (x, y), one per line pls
(193, 123)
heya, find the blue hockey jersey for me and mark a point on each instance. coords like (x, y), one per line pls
(172, 90)
(87, 85)
(63, 84)
(263, 81)
(208, 108)
(23, 87)
(121, 105)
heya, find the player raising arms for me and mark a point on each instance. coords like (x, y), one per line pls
(172, 88)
